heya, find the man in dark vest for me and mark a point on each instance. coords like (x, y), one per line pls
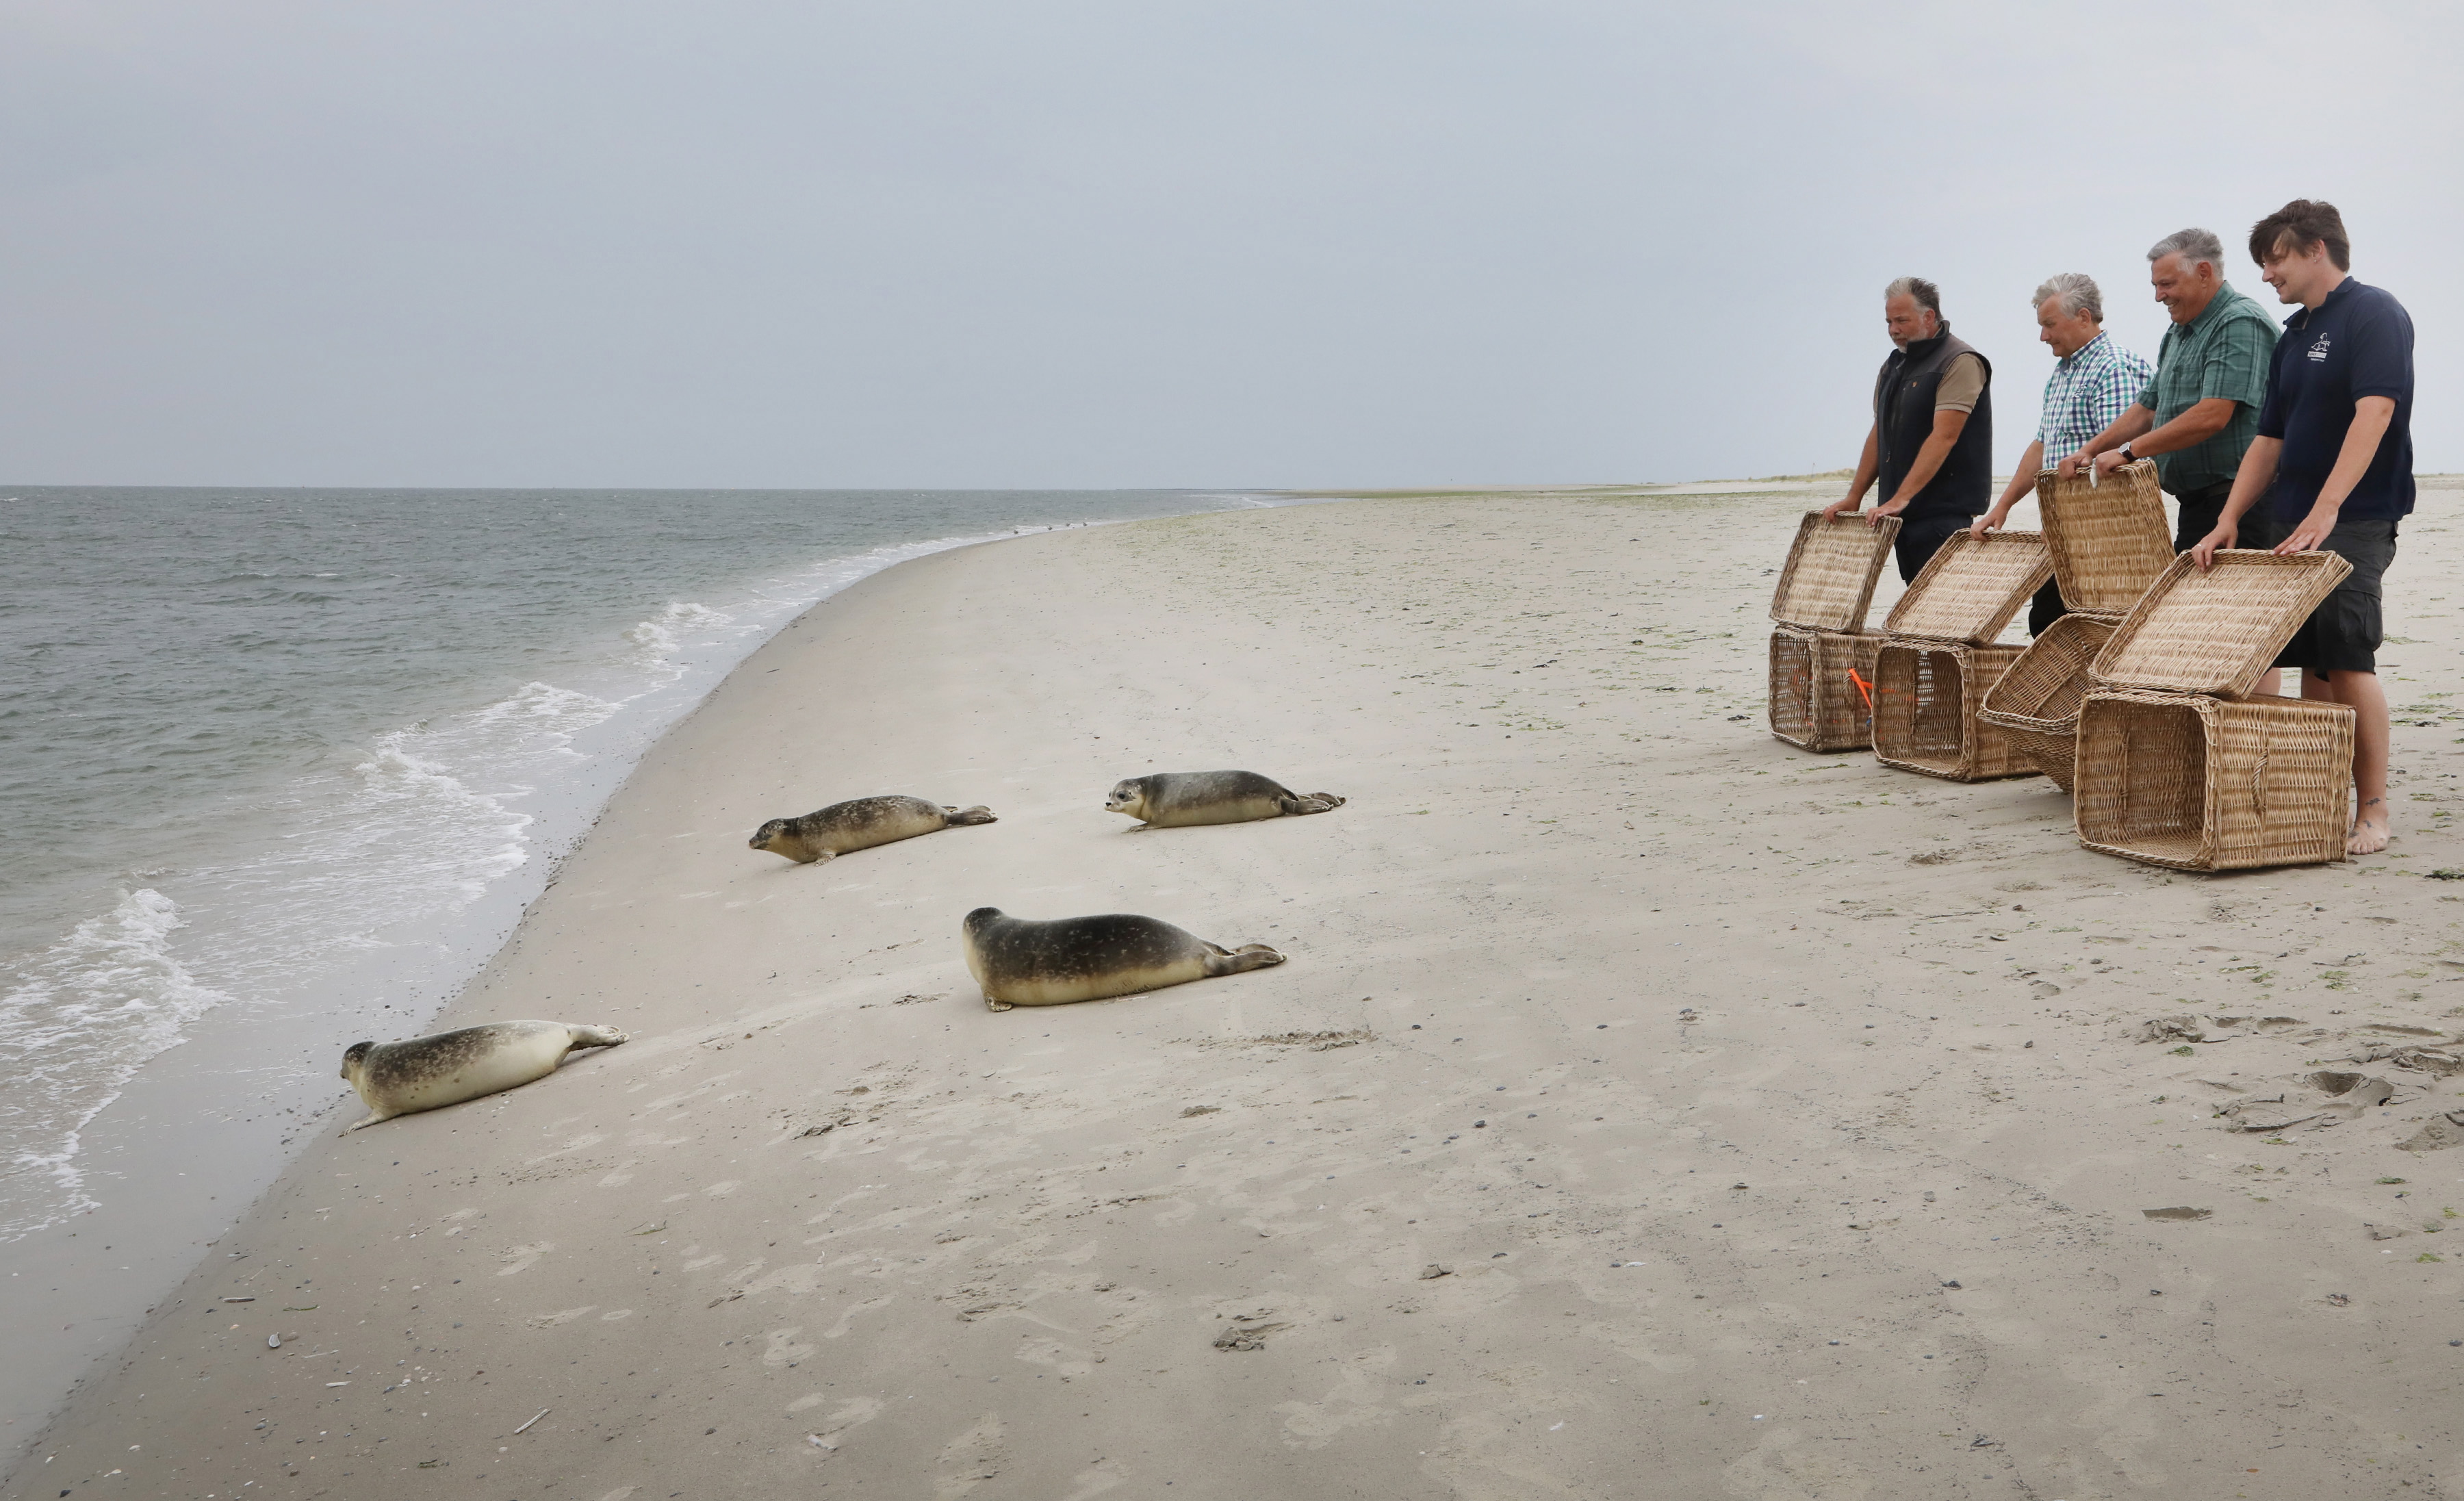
(1932, 440)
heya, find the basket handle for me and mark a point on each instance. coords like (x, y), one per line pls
(1862, 687)
(2258, 786)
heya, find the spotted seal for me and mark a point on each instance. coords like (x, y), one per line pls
(843, 827)
(1180, 799)
(448, 1068)
(1021, 962)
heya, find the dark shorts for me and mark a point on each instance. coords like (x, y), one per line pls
(2200, 510)
(1921, 537)
(2344, 634)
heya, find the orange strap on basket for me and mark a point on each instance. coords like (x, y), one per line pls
(1862, 687)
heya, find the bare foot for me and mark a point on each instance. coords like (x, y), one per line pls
(2369, 832)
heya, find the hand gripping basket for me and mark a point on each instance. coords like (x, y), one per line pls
(2176, 765)
(2036, 703)
(2108, 539)
(1938, 660)
(1822, 637)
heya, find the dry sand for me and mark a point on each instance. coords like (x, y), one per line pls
(1648, 1109)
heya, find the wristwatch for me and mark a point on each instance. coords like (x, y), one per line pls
(2128, 456)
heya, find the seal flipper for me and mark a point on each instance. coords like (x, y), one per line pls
(978, 814)
(1296, 804)
(1247, 956)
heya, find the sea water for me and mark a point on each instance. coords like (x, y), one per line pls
(262, 750)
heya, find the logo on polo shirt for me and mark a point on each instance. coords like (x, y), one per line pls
(2318, 351)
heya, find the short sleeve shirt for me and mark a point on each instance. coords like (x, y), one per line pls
(2357, 343)
(2222, 353)
(1962, 384)
(2086, 393)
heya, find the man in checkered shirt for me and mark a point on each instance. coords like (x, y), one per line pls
(2094, 383)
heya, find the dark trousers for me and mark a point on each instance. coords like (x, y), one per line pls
(2200, 512)
(2046, 607)
(1921, 537)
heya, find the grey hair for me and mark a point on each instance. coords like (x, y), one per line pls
(1928, 294)
(2194, 245)
(2078, 292)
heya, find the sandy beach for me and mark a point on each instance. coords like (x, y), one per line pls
(1647, 1108)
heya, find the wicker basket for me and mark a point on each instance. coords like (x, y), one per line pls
(2108, 539)
(1926, 694)
(2200, 783)
(1829, 580)
(1969, 590)
(1813, 701)
(2036, 703)
(2217, 632)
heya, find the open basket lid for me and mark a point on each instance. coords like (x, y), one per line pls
(2108, 538)
(1829, 580)
(1969, 590)
(2217, 633)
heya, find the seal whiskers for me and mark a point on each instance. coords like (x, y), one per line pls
(844, 827)
(1022, 962)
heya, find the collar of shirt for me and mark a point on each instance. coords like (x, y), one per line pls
(2299, 317)
(2216, 306)
(2079, 355)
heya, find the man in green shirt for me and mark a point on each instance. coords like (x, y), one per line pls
(2198, 416)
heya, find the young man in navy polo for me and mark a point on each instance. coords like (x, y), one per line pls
(2331, 470)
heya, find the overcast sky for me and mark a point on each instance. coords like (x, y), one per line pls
(497, 242)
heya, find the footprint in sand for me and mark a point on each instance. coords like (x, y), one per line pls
(784, 1348)
(971, 1459)
(521, 1258)
(844, 1319)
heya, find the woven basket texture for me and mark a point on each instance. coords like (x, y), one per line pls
(1926, 694)
(1969, 590)
(2108, 539)
(2202, 783)
(1814, 702)
(1829, 580)
(2036, 701)
(2218, 631)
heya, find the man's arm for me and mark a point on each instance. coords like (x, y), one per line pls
(2203, 421)
(2023, 480)
(2257, 472)
(1868, 467)
(2135, 420)
(1947, 423)
(2371, 415)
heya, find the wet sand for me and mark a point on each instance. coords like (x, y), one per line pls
(1647, 1107)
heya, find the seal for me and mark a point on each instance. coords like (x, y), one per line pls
(843, 827)
(1181, 799)
(1021, 962)
(448, 1068)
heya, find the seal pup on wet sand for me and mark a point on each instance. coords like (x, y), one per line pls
(448, 1068)
(1183, 799)
(1022, 962)
(843, 827)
